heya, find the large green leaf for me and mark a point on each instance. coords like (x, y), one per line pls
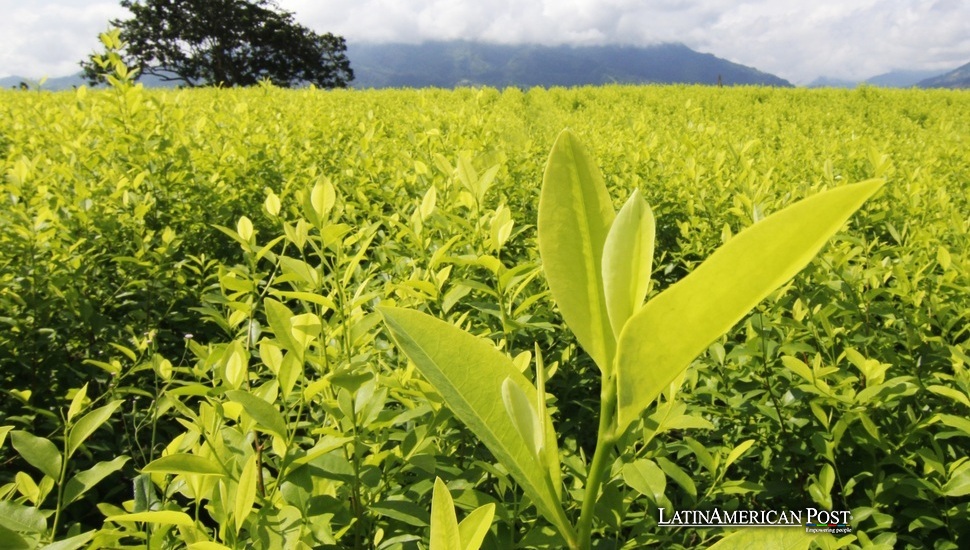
(280, 320)
(88, 424)
(627, 260)
(162, 517)
(21, 518)
(245, 492)
(72, 543)
(469, 372)
(39, 452)
(661, 340)
(265, 414)
(84, 481)
(11, 540)
(475, 526)
(183, 463)
(575, 215)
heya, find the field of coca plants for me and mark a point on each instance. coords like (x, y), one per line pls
(613, 317)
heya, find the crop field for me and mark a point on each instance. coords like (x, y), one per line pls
(204, 297)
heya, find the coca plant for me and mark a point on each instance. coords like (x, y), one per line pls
(598, 264)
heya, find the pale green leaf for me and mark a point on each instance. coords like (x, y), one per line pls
(661, 340)
(4, 430)
(279, 317)
(677, 474)
(646, 477)
(77, 403)
(444, 523)
(737, 452)
(272, 204)
(245, 228)
(83, 481)
(469, 372)
(88, 424)
(306, 327)
(72, 543)
(21, 518)
(11, 540)
(182, 463)
(959, 483)
(38, 452)
(402, 510)
(265, 414)
(522, 414)
(428, 203)
(799, 367)
(575, 215)
(628, 260)
(245, 492)
(943, 257)
(958, 422)
(951, 393)
(164, 517)
(475, 526)
(322, 197)
(237, 365)
(290, 371)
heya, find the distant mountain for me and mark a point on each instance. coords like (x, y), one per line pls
(957, 78)
(460, 63)
(71, 81)
(59, 83)
(826, 82)
(901, 79)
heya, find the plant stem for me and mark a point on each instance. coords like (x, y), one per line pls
(60, 482)
(601, 462)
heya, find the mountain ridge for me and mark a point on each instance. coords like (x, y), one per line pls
(957, 78)
(448, 64)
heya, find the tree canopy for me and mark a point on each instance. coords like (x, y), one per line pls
(228, 43)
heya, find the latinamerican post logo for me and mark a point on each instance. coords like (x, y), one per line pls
(812, 519)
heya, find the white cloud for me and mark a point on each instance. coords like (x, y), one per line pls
(794, 39)
(49, 38)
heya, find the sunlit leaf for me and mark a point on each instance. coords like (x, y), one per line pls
(183, 463)
(84, 481)
(71, 543)
(646, 477)
(628, 260)
(245, 493)
(39, 452)
(21, 519)
(444, 524)
(163, 517)
(469, 372)
(524, 417)
(77, 403)
(575, 215)
(661, 340)
(265, 414)
(88, 424)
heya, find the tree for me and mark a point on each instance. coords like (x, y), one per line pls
(227, 43)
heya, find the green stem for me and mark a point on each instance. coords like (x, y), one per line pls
(601, 462)
(60, 482)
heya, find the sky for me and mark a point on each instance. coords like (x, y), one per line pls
(795, 39)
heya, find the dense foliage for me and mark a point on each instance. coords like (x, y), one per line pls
(225, 43)
(191, 354)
